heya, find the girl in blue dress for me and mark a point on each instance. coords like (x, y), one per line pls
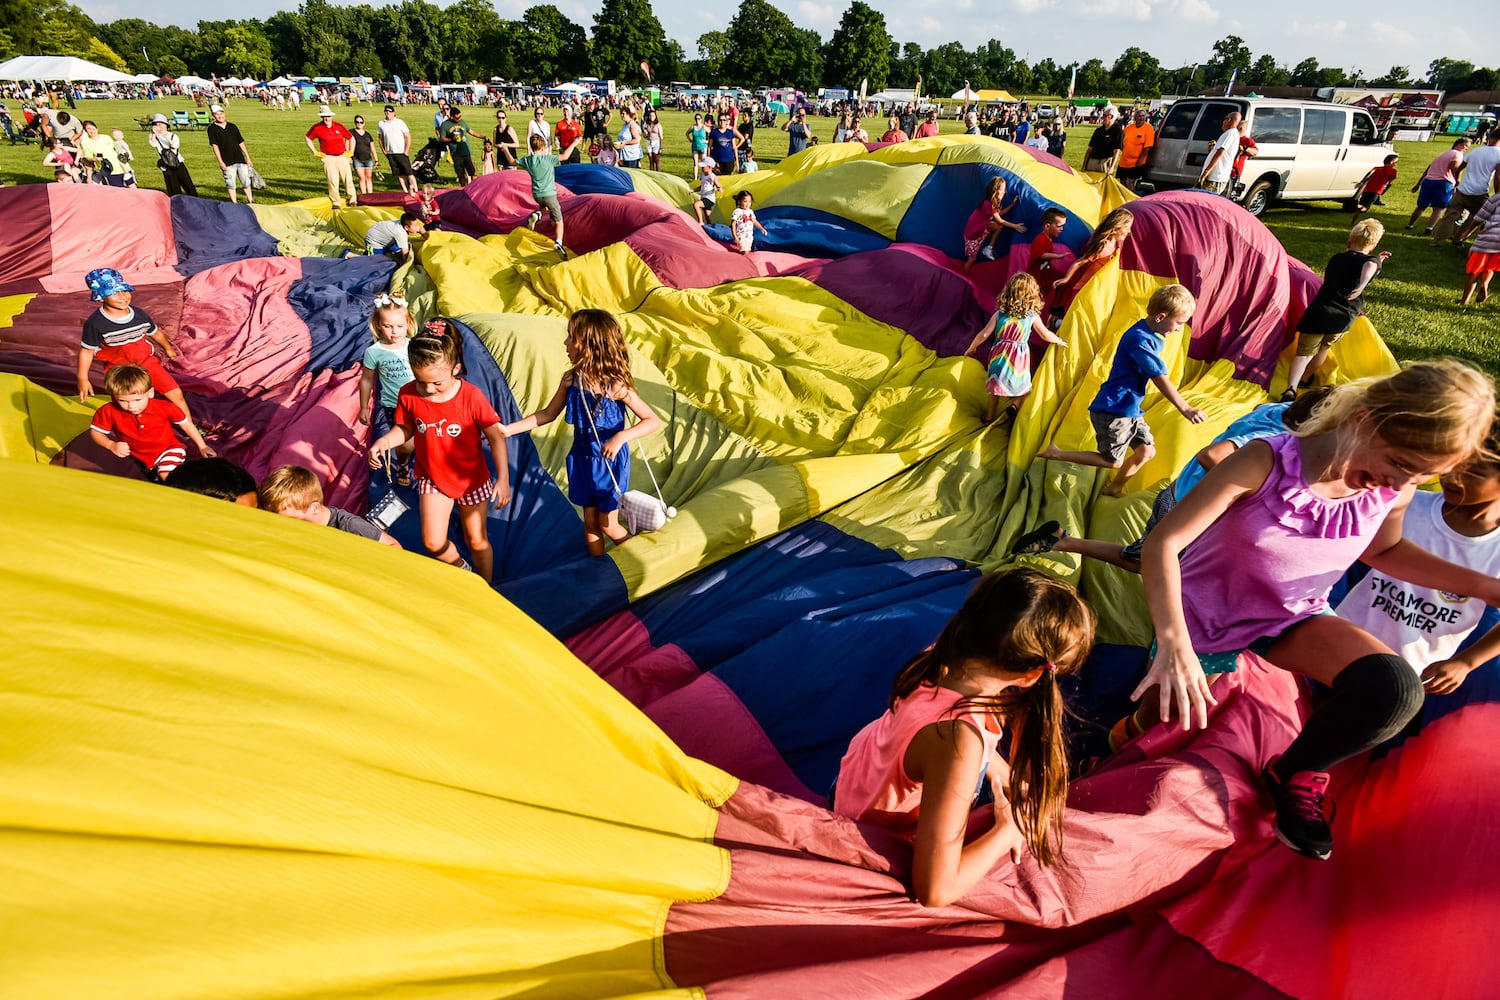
(595, 395)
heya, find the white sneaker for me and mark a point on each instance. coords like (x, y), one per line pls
(561, 250)
(533, 219)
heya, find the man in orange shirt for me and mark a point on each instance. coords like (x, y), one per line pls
(1140, 139)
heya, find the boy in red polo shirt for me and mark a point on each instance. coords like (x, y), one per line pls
(1374, 184)
(135, 424)
(1042, 261)
(331, 142)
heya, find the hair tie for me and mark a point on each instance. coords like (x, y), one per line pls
(1051, 668)
(436, 327)
(387, 299)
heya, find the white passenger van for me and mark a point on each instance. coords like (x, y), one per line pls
(1308, 149)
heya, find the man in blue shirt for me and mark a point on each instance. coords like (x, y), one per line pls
(1117, 415)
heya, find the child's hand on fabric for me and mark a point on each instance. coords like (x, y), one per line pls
(1445, 676)
(502, 494)
(1179, 678)
(612, 447)
(172, 352)
(121, 449)
(1194, 415)
(378, 453)
(208, 451)
(85, 390)
(364, 418)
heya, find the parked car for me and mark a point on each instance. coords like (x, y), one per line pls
(1308, 149)
(1045, 111)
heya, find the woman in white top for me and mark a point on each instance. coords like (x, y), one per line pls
(169, 158)
(653, 135)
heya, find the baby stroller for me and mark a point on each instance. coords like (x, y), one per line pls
(424, 164)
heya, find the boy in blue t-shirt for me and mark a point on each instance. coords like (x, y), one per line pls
(542, 168)
(1119, 424)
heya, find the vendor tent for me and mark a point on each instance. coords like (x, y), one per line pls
(280, 81)
(196, 83)
(67, 68)
(144, 78)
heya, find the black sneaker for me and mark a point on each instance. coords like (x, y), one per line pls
(1300, 823)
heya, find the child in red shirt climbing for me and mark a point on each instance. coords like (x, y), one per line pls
(1042, 262)
(135, 424)
(448, 417)
(1374, 184)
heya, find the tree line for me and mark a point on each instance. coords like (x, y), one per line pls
(761, 45)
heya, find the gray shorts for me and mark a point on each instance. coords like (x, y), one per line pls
(550, 203)
(237, 172)
(1118, 435)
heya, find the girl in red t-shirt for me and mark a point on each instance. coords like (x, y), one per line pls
(447, 418)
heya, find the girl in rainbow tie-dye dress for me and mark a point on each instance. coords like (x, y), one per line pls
(1008, 358)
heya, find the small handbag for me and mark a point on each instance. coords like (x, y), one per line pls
(640, 511)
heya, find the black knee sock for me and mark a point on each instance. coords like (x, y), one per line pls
(1372, 700)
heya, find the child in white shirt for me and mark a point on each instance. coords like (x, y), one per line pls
(744, 223)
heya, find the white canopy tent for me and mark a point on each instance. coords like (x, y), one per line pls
(234, 81)
(145, 78)
(68, 68)
(280, 81)
(195, 83)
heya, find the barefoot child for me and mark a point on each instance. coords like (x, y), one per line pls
(986, 221)
(386, 361)
(541, 166)
(1264, 421)
(448, 417)
(1426, 625)
(918, 768)
(294, 491)
(117, 334)
(1116, 413)
(1339, 301)
(1008, 358)
(595, 394)
(744, 223)
(1245, 562)
(135, 424)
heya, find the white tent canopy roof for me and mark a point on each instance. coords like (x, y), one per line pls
(280, 81)
(195, 83)
(145, 78)
(68, 68)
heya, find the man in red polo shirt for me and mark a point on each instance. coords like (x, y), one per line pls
(333, 143)
(569, 130)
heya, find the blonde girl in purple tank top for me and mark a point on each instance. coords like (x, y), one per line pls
(1246, 561)
(918, 769)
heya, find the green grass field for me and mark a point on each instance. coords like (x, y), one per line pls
(1413, 303)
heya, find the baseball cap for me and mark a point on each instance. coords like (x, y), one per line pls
(389, 108)
(214, 109)
(324, 111)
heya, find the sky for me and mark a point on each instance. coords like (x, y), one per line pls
(1372, 35)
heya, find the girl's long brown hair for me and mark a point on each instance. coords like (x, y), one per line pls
(1116, 224)
(603, 361)
(1020, 620)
